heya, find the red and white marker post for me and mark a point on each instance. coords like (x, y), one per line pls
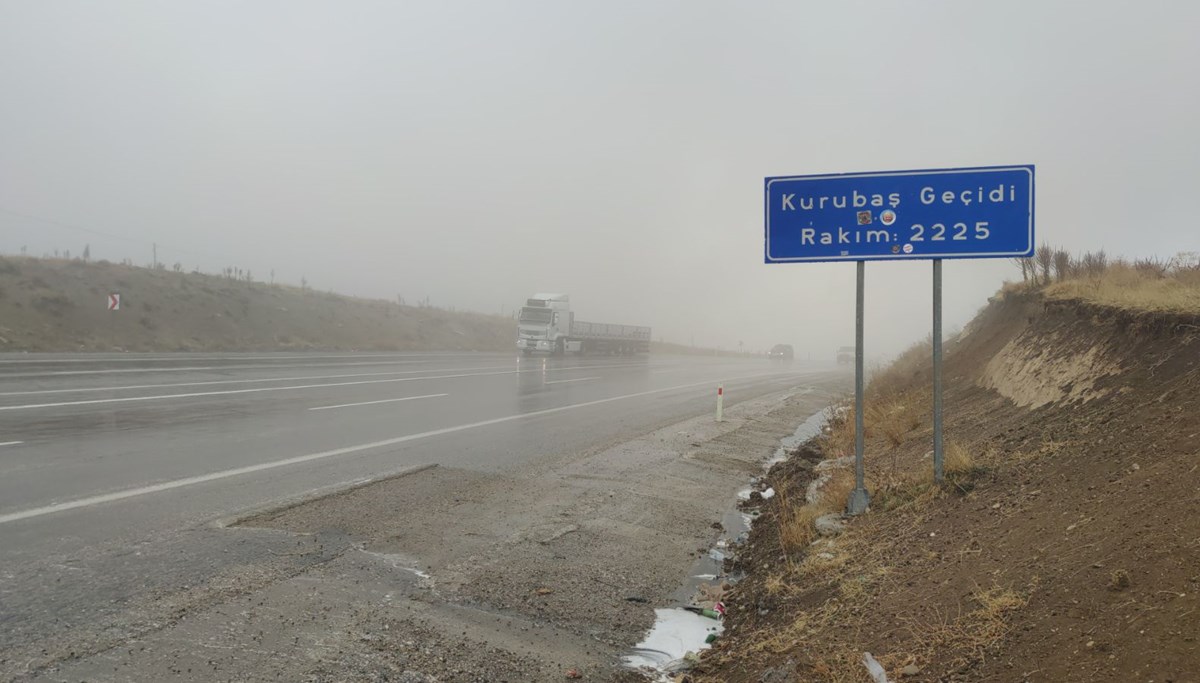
(720, 402)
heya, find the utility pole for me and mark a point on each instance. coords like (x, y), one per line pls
(154, 245)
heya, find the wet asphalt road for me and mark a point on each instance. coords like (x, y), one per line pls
(103, 453)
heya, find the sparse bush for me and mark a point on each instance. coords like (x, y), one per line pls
(1044, 259)
(1027, 270)
(1092, 264)
(1062, 265)
(1185, 260)
(1151, 267)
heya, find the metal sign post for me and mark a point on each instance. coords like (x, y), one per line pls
(937, 370)
(935, 214)
(860, 500)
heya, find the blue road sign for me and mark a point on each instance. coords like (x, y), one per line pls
(944, 213)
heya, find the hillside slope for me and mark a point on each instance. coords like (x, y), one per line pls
(58, 305)
(1064, 547)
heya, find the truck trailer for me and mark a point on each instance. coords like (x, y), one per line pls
(546, 324)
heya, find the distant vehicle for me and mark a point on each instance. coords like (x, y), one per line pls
(781, 352)
(845, 355)
(546, 324)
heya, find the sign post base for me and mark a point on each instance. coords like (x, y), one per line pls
(859, 501)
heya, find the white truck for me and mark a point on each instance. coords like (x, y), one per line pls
(546, 324)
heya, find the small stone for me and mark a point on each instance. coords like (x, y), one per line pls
(910, 670)
(830, 525)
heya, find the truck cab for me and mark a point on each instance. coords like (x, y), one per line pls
(544, 324)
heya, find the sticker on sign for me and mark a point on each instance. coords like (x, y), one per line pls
(984, 212)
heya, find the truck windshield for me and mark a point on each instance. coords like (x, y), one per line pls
(536, 315)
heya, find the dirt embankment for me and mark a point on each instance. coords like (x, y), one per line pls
(1064, 547)
(59, 305)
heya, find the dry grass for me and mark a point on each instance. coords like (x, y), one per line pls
(995, 602)
(856, 573)
(905, 490)
(1148, 284)
(1127, 286)
(957, 460)
(836, 491)
(796, 524)
(889, 420)
(838, 440)
(892, 416)
(966, 637)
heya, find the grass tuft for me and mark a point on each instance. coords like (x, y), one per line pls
(1120, 580)
(797, 528)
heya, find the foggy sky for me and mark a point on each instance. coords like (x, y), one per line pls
(476, 153)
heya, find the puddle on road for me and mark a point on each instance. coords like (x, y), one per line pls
(678, 631)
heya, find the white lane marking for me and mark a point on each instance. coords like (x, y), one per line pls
(261, 389)
(165, 359)
(225, 474)
(240, 381)
(386, 400)
(127, 387)
(576, 379)
(198, 368)
(227, 392)
(10, 443)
